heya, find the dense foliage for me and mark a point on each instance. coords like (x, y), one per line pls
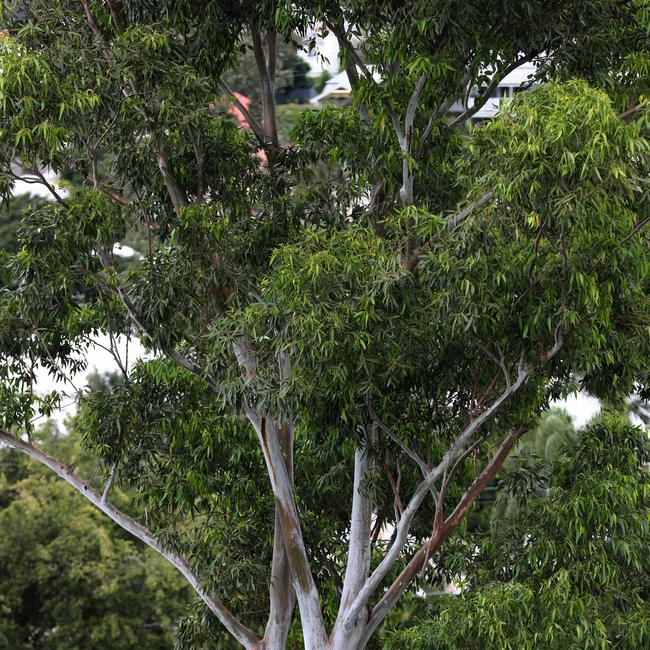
(348, 334)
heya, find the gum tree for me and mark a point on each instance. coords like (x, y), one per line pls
(348, 335)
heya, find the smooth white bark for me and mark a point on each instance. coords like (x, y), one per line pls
(311, 617)
(422, 490)
(347, 632)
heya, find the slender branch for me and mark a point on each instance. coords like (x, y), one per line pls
(403, 526)
(135, 318)
(500, 361)
(41, 181)
(451, 223)
(303, 581)
(630, 112)
(440, 534)
(200, 166)
(459, 461)
(424, 468)
(635, 230)
(405, 142)
(118, 197)
(117, 16)
(485, 95)
(109, 483)
(266, 69)
(244, 635)
(398, 506)
(252, 122)
(89, 18)
(174, 190)
(347, 46)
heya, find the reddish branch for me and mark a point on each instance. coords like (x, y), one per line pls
(442, 530)
(117, 15)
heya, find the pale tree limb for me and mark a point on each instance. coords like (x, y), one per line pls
(406, 142)
(347, 632)
(266, 71)
(404, 524)
(311, 616)
(304, 585)
(174, 190)
(240, 632)
(482, 99)
(282, 597)
(462, 440)
(109, 483)
(440, 534)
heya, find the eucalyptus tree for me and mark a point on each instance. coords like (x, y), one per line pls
(339, 363)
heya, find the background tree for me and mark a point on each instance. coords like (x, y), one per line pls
(532, 459)
(331, 355)
(70, 580)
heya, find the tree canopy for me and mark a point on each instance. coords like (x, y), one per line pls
(348, 334)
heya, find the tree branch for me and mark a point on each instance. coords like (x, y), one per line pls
(89, 18)
(359, 549)
(109, 484)
(126, 301)
(252, 122)
(441, 533)
(266, 71)
(451, 223)
(347, 46)
(485, 95)
(282, 597)
(174, 190)
(116, 14)
(41, 181)
(311, 616)
(244, 635)
(424, 468)
(403, 526)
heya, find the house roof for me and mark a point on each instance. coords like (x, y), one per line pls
(337, 87)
